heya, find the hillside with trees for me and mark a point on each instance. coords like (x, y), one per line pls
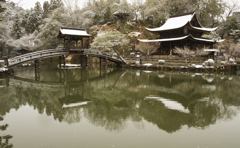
(36, 29)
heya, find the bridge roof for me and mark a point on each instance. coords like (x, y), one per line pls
(76, 32)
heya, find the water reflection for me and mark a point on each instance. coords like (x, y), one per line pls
(4, 139)
(110, 97)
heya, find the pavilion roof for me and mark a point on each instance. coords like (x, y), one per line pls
(190, 37)
(76, 32)
(176, 22)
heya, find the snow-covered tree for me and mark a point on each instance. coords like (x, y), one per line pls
(46, 10)
(109, 40)
(185, 52)
(16, 28)
(154, 13)
(147, 48)
(2, 9)
(51, 26)
(54, 4)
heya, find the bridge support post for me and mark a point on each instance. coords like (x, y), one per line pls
(37, 69)
(64, 60)
(80, 60)
(100, 60)
(6, 61)
(106, 61)
(60, 61)
(86, 60)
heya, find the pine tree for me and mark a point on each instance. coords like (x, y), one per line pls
(54, 4)
(16, 29)
(46, 10)
(2, 9)
(38, 15)
(33, 19)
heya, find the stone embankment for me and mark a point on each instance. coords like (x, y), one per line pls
(185, 68)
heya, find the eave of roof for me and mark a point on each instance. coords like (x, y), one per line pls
(211, 50)
(203, 28)
(180, 38)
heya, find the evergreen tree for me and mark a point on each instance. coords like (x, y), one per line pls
(46, 10)
(210, 14)
(38, 15)
(54, 4)
(51, 28)
(33, 19)
(2, 9)
(16, 28)
(24, 23)
(107, 14)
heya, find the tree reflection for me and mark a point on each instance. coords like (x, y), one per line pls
(4, 139)
(115, 97)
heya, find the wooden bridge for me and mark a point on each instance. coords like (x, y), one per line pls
(60, 52)
(68, 34)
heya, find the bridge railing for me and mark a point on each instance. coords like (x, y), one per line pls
(35, 55)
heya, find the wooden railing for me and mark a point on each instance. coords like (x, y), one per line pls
(97, 53)
(35, 55)
(57, 52)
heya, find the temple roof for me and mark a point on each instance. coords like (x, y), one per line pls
(77, 32)
(180, 38)
(176, 22)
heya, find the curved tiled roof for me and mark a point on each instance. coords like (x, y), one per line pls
(177, 22)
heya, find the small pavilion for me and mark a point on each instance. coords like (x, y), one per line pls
(73, 34)
(70, 34)
(179, 31)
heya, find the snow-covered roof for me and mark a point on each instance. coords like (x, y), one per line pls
(179, 22)
(179, 38)
(211, 50)
(203, 28)
(73, 32)
(173, 23)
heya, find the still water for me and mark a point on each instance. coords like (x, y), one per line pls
(118, 108)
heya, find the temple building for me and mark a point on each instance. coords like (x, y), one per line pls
(179, 31)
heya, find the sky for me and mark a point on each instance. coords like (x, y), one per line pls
(28, 4)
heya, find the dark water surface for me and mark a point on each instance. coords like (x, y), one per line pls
(93, 108)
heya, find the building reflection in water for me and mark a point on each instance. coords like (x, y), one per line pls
(110, 97)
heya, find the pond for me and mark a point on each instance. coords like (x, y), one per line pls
(110, 107)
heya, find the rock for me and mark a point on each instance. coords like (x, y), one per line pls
(161, 62)
(209, 63)
(231, 61)
(137, 62)
(223, 62)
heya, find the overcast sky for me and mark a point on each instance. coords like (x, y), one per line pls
(28, 4)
